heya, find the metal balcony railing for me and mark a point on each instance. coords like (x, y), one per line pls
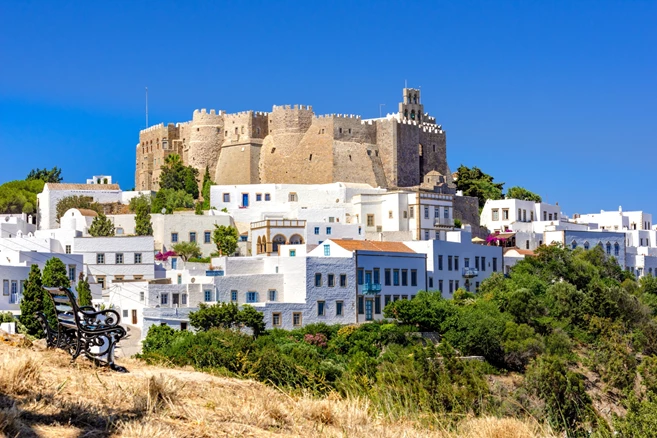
(470, 272)
(370, 288)
(442, 222)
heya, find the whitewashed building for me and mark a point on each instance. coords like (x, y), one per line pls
(12, 225)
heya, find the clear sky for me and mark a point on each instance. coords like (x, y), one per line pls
(557, 96)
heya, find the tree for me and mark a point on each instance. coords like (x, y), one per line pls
(225, 238)
(170, 200)
(53, 175)
(473, 182)
(84, 292)
(19, 196)
(64, 204)
(522, 194)
(176, 176)
(101, 226)
(32, 302)
(187, 250)
(205, 188)
(141, 201)
(143, 225)
(227, 316)
(54, 275)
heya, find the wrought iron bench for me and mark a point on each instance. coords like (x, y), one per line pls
(82, 329)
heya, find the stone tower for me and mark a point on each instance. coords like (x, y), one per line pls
(411, 108)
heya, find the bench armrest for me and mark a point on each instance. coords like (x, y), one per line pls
(110, 317)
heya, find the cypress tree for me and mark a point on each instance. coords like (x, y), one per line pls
(84, 292)
(101, 226)
(32, 302)
(143, 225)
(54, 275)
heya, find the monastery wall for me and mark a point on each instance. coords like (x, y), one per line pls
(205, 139)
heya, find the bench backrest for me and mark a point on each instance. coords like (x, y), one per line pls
(66, 308)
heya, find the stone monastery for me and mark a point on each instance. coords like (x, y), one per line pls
(292, 145)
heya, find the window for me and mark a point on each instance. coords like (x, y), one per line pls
(164, 299)
(330, 280)
(296, 319)
(316, 230)
(207, 295)
(100, 279)
(449, 263)
(338, 308)
(395, 277)
(440, 285)
(118, 258)
(370, 220)
(496, 214)
(404, 277)
(125, 313)
(361, 276)
(361, 305)
(411, 212)
(267, 197)
(573, 245)
(119, 231)
(137, 258)
(293, 253)
(292, 197)
(586, 245)
(377, 305)
(451, 286)
(477, 263)
(436, 212)
(456, 263)
(68, 249)
(505, 214)
(318, 280)
(272, 295)
(494, 264)
(390, 214)
(531, 216)
(192, 236)
(343, 280)
(327, 250)
(483, 263)
(252, 297)
(386, 277)
(359, 230)
(608, 248)
(138, 277)
(179, 278)
(376, 276)
(276, 319)
(426, 235)
(446, 212)
(519, 218)
(207, 237)
(100, 259)
(545, 215)
(233, 296)
(320, 308)
(405, 215)
(456, 284)
(71, 272)
(226, 197)
(386, 300)
(414, 277)
(174, 237)
(440, 262)
(616, 249)
(258, 196)
(328, 230)
(141, 296)
(5, 287)
(174, 263)
(426, 212)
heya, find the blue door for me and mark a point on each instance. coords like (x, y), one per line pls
(245, 199)
(368, 310)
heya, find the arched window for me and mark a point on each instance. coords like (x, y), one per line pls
(574, 244)
(412, 114)
(608, 248)
(616, 249)
(415, 99)
(406, 114)
(278, 239)
(296, 239)
(259, 246)
(586, 245)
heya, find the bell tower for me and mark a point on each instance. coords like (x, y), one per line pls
(411, 108)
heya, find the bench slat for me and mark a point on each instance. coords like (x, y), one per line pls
(61, 299)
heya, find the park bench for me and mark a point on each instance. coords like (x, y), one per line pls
(82, 329)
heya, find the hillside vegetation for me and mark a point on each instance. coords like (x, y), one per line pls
(43, 395)
(568, 337)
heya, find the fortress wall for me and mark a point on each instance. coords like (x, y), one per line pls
(291, 119)
(386, 140)
(184, 134)
(206, 137)
(358, 163)
(408, 157)
(155, 143)
(434, 152)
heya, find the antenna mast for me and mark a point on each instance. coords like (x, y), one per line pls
(147, 107)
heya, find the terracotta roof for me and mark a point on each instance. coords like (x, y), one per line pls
(371, 245)
(525, 252)
(65, 186)
(87, 212)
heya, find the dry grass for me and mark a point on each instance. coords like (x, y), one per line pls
(42, 394)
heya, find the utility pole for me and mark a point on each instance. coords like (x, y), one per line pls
(147, 107)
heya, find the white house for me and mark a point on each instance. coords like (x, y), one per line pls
(100, 179)
(11, 225)
(456, 262)
(613, 243)
(501, 214)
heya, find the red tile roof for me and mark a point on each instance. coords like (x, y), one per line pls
(66, 186)
(371, 245)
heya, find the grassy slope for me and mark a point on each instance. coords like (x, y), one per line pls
(42, 394)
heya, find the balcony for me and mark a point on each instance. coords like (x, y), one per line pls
(470, 272)
(442, 222)
(370, 288)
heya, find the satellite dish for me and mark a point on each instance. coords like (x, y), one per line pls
(163, 211)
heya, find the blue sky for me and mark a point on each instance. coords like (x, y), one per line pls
(557, 96)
